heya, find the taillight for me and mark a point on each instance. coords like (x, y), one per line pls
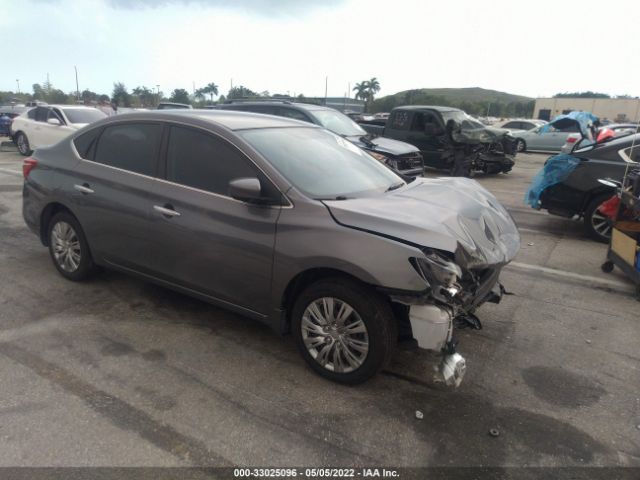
(572, 139)
(28, 165)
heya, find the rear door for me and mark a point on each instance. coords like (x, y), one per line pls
(34, 130)
(203, 239)
(112, 188)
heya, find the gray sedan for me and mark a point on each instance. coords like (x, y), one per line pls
(549, 140)
(277, 220)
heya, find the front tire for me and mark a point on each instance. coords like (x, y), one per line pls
(22, 142)
(521, 146)
(68, 247)
(596, 224)
(345, 331)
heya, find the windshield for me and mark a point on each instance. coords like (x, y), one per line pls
(465, 121)
(321, 164)
(338, 123)
(83, 115)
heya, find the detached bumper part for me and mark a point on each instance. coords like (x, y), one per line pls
(451, 371)
(432, 328)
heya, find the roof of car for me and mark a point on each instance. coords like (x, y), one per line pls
(438, 108)
(302, 106)
(233, 120)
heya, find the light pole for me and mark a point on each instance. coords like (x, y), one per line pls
(158, 95)
(18, 82)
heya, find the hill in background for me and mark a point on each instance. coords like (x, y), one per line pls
(473, 100)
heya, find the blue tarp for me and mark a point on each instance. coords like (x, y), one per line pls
(584, 120)
(555, 171)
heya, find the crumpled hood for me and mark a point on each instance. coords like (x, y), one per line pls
(452, 214)
(386, 146)
(479, 135)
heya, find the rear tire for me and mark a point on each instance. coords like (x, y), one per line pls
(22, 142)
(68, 247)
(596, 224)
(344, 330)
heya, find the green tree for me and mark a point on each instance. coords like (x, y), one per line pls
(120, 96)
(199, 95)
(179, 95)
(211, 89)
(361, 90)
(241, 92)
(144, 96)
(88, 96)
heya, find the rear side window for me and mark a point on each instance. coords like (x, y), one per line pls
(199, 160)
(400, 120)
(31, 114)
(41, 114)
(132, 146)
(84, 143)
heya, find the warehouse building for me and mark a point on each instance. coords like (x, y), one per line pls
(613, 109)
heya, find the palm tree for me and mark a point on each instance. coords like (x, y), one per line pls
(199, 94)
(211, 89)
(373, 87)
(362, 92)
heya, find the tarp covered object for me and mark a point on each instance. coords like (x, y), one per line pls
(584, 120)
(557, 168)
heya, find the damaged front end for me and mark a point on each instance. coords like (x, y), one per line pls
(487, 149)
(460, 236)
(450, 300)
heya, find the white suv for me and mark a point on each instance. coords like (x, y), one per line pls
(48, 124)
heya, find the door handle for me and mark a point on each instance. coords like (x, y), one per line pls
(83, 188)
(167, 210)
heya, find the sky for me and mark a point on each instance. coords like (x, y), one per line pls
(292, 46)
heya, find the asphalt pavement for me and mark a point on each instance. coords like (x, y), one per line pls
(119, 372)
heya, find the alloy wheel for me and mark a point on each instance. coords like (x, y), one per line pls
(601, 224)
(66, 247)
(21, 141)
(335, 335)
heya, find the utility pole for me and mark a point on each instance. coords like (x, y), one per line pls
(18, 82)
(158, 94)
(77, 87)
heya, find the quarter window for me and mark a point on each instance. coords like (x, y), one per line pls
(132, 147)
(200, 160)
(85, 142)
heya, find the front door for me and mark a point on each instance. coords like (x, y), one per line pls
(203, 239)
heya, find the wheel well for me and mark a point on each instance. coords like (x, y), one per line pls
(302, 281)
(593, 194)
(46, 216)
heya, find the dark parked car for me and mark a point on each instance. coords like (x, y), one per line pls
(579, 192)
(449, 139)
(278, 220)
(399, 156)
(173, 106)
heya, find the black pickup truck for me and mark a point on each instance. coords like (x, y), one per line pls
(449, 139)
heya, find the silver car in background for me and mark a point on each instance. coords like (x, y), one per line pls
(278, 220)
(549, 139)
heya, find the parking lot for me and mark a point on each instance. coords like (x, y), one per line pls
(119, 372)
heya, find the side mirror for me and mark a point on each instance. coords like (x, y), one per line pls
(246, 189)
(54, 121)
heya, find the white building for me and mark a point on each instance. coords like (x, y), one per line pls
(614, 109)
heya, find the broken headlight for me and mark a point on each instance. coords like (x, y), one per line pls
(439, 272)
(384, 159)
